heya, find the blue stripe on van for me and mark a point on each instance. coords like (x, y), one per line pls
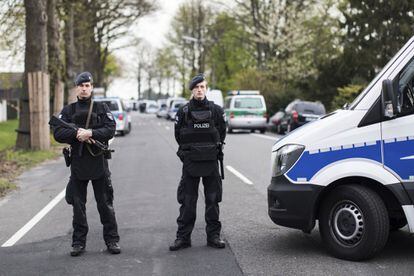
(398, 156)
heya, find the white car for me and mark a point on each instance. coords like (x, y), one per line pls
(120, 112)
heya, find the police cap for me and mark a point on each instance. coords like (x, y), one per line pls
(196, 80)
(83, 77)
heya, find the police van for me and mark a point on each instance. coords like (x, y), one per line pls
(353, 169)
(245, 109)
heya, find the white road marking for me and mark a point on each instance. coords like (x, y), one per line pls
(167, 128)
(274, 139)
(239, 175)
(26, 228)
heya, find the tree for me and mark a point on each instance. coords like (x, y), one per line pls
(12, 25)
(229, 53)
(54, 56)
(35, 60)
(189, 38)
(375, 30)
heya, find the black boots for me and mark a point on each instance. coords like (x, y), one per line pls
(216, 243)
(180, 244)
(113, 247)
(77, 250)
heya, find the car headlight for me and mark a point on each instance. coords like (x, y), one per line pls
(284, 158)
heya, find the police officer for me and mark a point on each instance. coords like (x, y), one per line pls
(199, 131)
(87, 163)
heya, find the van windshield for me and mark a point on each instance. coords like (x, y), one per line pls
(113, 105)
(248, 103)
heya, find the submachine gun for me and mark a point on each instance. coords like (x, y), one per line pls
(220, 158)
(105, 150)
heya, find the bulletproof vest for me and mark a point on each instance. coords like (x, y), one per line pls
(87, 166)
(80, 115)
(199, 134)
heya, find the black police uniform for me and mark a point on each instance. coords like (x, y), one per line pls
(85, 167)
(199, 127)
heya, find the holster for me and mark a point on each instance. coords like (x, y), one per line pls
(66, 154)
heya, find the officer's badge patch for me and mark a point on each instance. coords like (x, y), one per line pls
(110, 116)
(60, 116)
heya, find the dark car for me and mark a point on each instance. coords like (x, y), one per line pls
(299, 112)
(274, 121)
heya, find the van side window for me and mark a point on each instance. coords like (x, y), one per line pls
(405, 95)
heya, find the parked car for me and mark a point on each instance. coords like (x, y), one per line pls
(274, 122)
(120, 112)
(151, 107)
(245, 110)
(175, 105)
(162, 109)
(299, 112)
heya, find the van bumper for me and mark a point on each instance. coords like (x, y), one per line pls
(292, 205)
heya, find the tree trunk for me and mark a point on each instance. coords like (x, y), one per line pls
(35, 60)
(70, 50)
(55, 64)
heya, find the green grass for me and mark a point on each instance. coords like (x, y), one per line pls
(13, 162)
(5, 186)
(28, 158)
(8, 134)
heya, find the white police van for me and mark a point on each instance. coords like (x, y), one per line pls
(353, 169)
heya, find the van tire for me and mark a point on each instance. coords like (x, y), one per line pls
(263, 130)
(341, 211)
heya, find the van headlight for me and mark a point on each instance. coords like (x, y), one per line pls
(284, 158)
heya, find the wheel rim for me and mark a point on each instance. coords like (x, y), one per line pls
(347, 223)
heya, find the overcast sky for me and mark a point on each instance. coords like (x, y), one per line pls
(153, 29)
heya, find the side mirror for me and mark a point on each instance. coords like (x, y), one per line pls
(388, 99)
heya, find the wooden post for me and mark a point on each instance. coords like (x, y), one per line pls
(58, 99)
(39, 94)
(72, 95)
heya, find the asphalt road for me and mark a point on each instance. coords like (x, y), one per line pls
(145, 174)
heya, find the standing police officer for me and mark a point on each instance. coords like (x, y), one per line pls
(95, 123)
(199, 130)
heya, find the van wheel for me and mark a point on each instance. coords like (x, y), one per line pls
(262, 131)
(129, 127)
(353, 223)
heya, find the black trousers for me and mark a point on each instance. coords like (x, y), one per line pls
(187, 196)
(103, 191)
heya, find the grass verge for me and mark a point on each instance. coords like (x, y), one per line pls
(14, 162)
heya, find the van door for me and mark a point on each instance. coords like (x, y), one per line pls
(398, 132)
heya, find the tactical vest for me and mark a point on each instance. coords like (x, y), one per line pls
(79, 117)
(199, 136)
(88, 166)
